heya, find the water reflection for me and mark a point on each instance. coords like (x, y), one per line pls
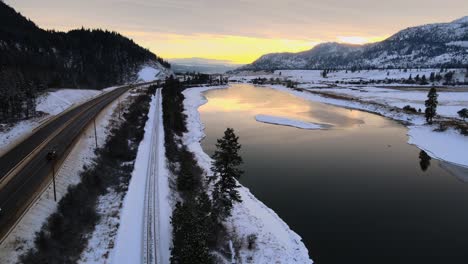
(252, 101)
(354, 193)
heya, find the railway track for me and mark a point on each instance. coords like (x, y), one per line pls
(25, 169)
(151, 221)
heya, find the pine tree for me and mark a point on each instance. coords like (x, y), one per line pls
(324, 73)
(431, 105)
(432, 77)
(191, 230)
(463, 113)
(226, 160)
(424, 160)
(423, 80)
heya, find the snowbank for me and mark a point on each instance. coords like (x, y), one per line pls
(450, 145)
(276, 242)
(275, 120)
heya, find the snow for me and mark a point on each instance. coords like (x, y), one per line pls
(458, 43)
(276, 242)
(275, 120)
(449, 146)
(22, 237)
(51, 103)
(58, 101)
(449, 102)
(129, 243)
(148, 74)
(315, 76)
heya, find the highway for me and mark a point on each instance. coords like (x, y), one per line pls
(25, 169)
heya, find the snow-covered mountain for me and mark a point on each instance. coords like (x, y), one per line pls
(434, 45)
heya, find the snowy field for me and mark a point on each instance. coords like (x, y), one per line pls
(449, 102)
(315, 76)
(276, 242)
(275, 120)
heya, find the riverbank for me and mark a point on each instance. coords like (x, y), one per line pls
(276, 242)
(449, 145)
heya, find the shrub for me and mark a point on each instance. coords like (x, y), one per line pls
(410, 109)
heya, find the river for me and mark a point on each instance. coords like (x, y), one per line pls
(355, 193)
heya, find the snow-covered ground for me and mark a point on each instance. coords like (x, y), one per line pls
(276, 242)
(51, 103)
(449, 102)
(22, 237)
(315, 76)
(307, 77)
(148, 74)
(276, 120)
(449, 146)
(152, 71)
(130, 239)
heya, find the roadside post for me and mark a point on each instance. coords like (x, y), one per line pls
(52, 156)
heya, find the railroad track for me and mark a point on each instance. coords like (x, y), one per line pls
(25, 170)
(151, 221)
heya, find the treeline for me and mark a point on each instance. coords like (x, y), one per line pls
(64, 236)
(192, 237)
(33, 59)
(197, 220)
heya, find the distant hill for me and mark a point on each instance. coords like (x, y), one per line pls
(434, 45)
(33, 59)
(202, 65)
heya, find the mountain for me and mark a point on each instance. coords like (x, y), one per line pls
(202, 65)
(33, 59)
(434, 45)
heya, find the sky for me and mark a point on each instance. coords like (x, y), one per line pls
(240, 31)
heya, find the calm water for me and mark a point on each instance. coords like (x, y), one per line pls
(355, 193)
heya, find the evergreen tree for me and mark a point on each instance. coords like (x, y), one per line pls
(424, 160)
(431, 105)
(324, 73)
(423, 80)
(432, 77)
(416, 79)
(448, 77)
(226, 160)
(191, 229)
(463, 113)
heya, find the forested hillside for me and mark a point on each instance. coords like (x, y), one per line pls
(33, 59)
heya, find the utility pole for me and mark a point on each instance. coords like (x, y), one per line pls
(95, 132)
(52, 156)
(119, 106)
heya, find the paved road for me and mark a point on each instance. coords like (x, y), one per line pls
(25, 170)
